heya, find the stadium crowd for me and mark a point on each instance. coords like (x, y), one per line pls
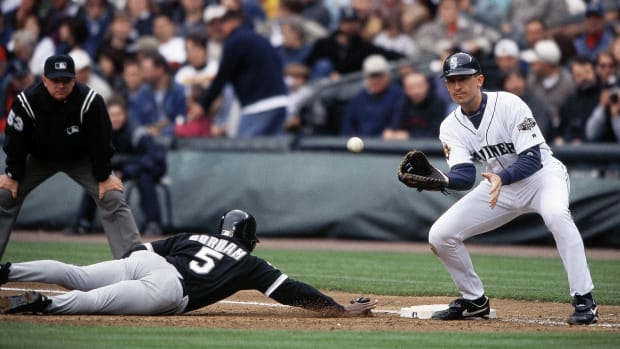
(246, 68)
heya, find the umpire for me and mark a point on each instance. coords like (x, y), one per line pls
(57, 125)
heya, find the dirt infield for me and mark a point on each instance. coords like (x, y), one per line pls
(250, 309)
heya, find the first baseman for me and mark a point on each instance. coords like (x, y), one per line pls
(60, 125)
(499, 130)
(171, 276)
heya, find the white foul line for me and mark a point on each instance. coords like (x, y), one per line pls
(376, 311)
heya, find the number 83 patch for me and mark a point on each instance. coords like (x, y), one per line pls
(15, 121)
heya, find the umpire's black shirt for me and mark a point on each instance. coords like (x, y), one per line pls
(60, 131)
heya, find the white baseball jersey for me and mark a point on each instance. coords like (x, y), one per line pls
(507, 129)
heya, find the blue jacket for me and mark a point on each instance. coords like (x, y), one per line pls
(143, 107)
(137, 152)
(253, 67)
(368, 115)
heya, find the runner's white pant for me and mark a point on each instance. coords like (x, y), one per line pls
(144, 283)
(546, 192)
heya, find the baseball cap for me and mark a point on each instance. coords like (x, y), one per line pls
(546, 51)
(80, 58)
(213, 12)
(375, 64)
(594, 8)
(506, 48)
(59, 66)
(348, 14)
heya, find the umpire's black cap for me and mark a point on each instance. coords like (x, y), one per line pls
(59, 66)
(460, 63)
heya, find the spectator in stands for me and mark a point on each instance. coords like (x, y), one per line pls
(596, 36)
(299, 114)
(59, 12)
(506, 58)
(171, 46)
(574, 112)
(16, 19)
(606, 68)
(18, 78)
(118, 39)
(421, 112)
(141, 16)
(370, 15)
(253, 67)
(85, 74)
(515, 81)
(344, 50)
(132, 81)
(375, 107)
(198, 122)
(253, 11)
(197, 71)
(22, 45)
(392, 37)
(44, 47)
(138, 158)
(535, 30)
(451, 29)
(212, 17)
(294, 48)
(191, 21)
(520, 12)
(97, 14)
(603, 125)
(72, 33)
(161, 100)
(110, 68)
(548, 79)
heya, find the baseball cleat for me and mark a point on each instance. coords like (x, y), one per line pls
(586, 310)
(4, 273)
(461, 309)
(29, 302)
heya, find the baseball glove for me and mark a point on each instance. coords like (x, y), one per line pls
(415, 171)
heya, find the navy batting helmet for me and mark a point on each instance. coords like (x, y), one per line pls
(240, 225)
(460, 63)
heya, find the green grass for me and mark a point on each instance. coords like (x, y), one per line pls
(359, 272)
(63, 337)
(404, 274)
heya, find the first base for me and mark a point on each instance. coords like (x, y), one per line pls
(424, 312)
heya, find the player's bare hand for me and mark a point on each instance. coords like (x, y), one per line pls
(496, 187)
(360, 307)
(9, 184)
(112, 183)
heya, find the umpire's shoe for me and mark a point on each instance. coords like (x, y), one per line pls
(29, 302)
(461, 309)
(586, 310)
(4, 273)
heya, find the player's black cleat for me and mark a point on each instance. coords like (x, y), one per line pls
(586, 310)
(29, 302)
(461, 309)
(4, 273)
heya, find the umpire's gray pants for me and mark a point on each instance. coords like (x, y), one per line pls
(116, 217)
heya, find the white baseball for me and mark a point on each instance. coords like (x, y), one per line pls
(355, 144)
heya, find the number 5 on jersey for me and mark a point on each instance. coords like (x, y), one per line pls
(204, 262)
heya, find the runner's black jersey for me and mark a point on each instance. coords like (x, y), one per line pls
(216, 266)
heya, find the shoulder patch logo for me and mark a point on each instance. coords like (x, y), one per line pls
(527, 124)
(446, 151)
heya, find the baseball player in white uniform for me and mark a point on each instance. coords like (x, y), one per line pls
(499, 130)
